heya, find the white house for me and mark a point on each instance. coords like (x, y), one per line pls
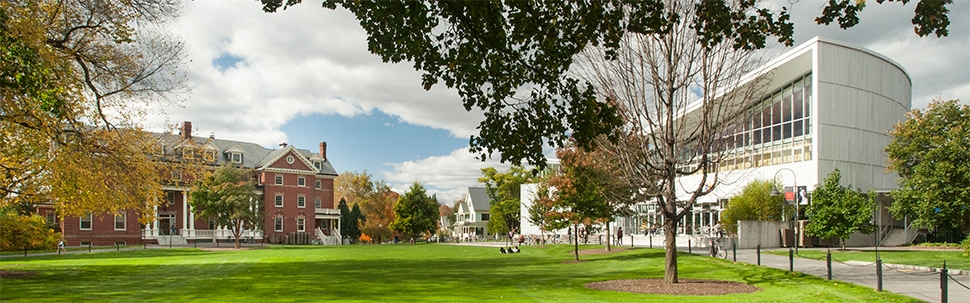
(471, 216)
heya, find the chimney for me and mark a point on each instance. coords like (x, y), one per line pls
(323, 150)
(186, 130)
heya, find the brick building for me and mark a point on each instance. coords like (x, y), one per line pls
(297, 187)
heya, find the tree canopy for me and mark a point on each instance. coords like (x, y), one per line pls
(754, 203)
(839, 211)
(416, 212)
(930, 151)
(510, 58)
(75, 80)
(504, 195)
(229, 197)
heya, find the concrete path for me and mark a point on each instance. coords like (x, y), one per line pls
(919, 284)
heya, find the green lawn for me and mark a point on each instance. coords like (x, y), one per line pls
(389, 273)
(932, 258)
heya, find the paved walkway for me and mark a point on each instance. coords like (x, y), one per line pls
(919, 284)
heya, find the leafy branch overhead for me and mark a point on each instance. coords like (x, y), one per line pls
(511, 59)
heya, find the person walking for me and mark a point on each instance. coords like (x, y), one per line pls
(619, 235)
(60, 246)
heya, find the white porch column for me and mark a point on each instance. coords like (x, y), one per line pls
(185, 211)
(154, 229)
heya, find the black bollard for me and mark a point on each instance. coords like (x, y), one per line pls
(828, 263)
(878, 274)
(117, 247)
(791, 260)
(89, 246)
(631, 241)
(943, 288)
(688, 245)
(651, 241)
(759, 254)
(734, 250)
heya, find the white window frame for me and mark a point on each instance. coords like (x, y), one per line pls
(90, 220)
(301, 181)
(301, 201)
(301, 224)
(278, 223)
(236, 157)
(317, 203)
(123, 221)
(279, 179)
(279, 200)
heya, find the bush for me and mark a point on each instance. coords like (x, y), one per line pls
(19, 232)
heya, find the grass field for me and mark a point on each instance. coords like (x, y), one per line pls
(389, 273)
(931, 257)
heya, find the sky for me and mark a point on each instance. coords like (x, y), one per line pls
(304, 76)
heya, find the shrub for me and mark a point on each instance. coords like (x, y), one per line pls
(966, 246)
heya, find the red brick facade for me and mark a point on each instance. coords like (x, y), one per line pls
(307, 179)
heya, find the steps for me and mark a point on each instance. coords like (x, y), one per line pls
(897, 237)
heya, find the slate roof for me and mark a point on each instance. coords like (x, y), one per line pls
(254, 155)
(480, 200)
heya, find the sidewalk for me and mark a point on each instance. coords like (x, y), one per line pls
(922, 285)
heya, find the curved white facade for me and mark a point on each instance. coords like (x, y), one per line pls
(828, 105)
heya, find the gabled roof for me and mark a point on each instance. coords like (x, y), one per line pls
(278, 154)
(478, 198)
(254, 155)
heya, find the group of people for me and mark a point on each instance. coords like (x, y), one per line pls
(510, 250)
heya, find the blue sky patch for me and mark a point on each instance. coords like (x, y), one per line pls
(226, 61)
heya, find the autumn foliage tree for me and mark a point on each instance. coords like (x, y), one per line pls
(75, 80)
(25, 232)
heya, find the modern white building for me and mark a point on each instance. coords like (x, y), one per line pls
(829, 105)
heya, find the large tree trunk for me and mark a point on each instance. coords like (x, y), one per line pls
(237, 232)
(609, 235)
(670, 244)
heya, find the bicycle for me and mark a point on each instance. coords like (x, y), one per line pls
(718, 250)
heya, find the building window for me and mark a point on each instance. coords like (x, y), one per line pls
(210, 155)
(171, 198)
(177, 174)
(317, 164)
(484, 217)
(212, 224)
(318, 184)
(86, 222)
(120, 243)
(301, 201)
(121, 221)
(279, 223)
(237, 157)
(289, 159)
(300, 224)
(317, 203)
(301, 181)
(279, 179)
(50, 218)
(279, 200)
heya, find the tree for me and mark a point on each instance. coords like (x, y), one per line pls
(678, 88)
(353, 186)
(379, 210)
(19, 231)
(510, 58)
(345, 217)
(839, 211)
(229, 197)
(930, 151)
(416, 212)
(75, 79)
(544, 213)
(754, 203)
(357, 220)
(503, 192)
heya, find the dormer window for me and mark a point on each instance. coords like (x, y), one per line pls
(318, 164)
(236, 157)
(209, 155)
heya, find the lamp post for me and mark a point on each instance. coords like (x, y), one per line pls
(774, 193)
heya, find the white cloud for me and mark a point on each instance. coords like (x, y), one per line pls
(305, 60)
(447, 175)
